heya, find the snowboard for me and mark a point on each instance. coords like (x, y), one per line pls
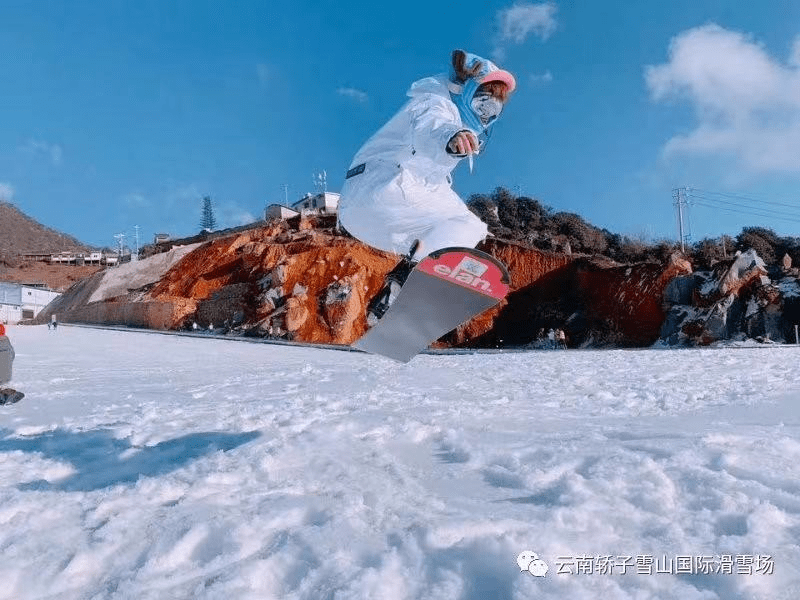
(445, 289)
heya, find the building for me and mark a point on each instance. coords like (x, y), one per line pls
(36, 257)
(77, 258)
(20, 301)
(279, 211)
(64, 258)
(321, 203)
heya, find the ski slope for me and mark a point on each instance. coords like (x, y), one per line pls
(147, 466)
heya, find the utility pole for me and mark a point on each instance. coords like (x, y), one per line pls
(679, 200)
(285, 187)
(120, 237)
(136, 256)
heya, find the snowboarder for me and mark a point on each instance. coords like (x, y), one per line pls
(7, 395)
(397, 194)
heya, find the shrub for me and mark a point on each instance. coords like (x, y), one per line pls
(709, 251)
(764, 241)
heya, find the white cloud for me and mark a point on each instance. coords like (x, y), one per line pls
(182, 196)
(136, 200)
(6, 192)
(794, 59)
(545, 77)
(232, 215)
(354, 94)
(747, 102)
(523, 20)
(38, 147)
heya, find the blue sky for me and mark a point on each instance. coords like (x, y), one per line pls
(122, 113)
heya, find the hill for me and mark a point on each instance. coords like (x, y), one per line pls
(20, 234)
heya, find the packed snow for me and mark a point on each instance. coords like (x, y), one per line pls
(150, 466)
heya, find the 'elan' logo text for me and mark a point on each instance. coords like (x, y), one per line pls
(468, 271)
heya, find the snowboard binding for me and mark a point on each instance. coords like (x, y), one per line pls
(391, 288)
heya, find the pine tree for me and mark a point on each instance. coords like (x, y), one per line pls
(208, 222)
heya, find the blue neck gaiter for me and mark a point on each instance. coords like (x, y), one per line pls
(463, 102)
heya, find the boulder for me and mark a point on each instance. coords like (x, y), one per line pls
(736, 300)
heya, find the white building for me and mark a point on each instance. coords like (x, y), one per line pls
(77, 258)
(279, 211)
(19, 301)
(321, 203)
(65, 257)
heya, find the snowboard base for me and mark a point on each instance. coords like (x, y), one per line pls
(446, 289)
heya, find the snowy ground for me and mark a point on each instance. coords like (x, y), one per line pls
(146, 466)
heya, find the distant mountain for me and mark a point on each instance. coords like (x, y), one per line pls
(20, 234)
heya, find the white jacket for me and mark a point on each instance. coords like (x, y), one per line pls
(403, 191)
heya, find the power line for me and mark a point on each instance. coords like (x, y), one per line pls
(725, 202)
(739, 204)
(747, 212)
(794, 205)
(743, 208)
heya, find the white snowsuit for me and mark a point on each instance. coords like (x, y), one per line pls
(398, 187)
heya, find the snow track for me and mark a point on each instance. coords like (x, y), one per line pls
(143, 466)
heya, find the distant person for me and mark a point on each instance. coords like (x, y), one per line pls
(53, 321)
(7, 395)
(561, 337)
(398, 195)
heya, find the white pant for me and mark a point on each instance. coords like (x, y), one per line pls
(388, 207)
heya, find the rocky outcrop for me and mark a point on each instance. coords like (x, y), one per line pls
(308, 283)
(117, 296)
(738, 299)
(274, 280)
(595, 301)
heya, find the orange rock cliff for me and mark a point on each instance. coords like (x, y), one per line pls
(304, 281)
